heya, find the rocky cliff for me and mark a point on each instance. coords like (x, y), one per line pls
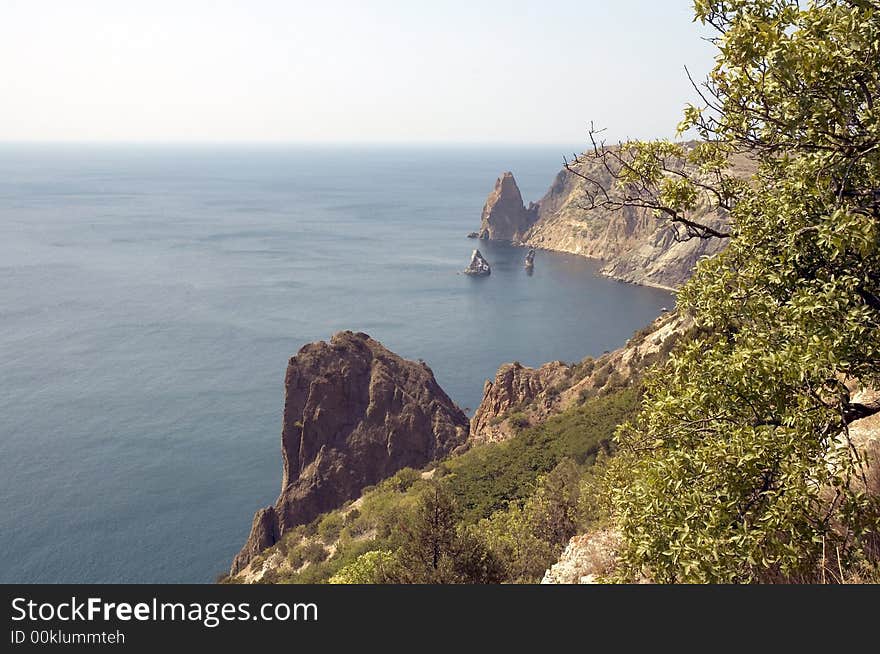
(354, 414)
(514, 389)
(634, 245)
(520, 395)
(504, 217)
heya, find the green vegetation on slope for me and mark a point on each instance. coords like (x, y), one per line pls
(486, 478)
(742, 467)
(490, 497)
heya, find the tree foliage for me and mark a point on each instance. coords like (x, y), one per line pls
(740, 466)
(528, 537)
(436, 549)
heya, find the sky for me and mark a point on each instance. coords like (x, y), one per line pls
(341, 71)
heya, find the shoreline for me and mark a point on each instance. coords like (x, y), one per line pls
(526, 244)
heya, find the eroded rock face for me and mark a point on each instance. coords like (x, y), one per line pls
(514, 387)
(504, 217)
(521, 396)
(264, 533)
(478, 265)
(633, 244)
(354, 413)
(587, 559)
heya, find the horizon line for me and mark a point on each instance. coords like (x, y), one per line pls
(239, 142)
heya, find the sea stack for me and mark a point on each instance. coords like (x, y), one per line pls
(478, 265)
(354, 413)
(530, 259)
(504, 217)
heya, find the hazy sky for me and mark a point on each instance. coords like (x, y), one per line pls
(344, 71)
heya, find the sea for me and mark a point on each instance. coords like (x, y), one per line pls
(151, 296)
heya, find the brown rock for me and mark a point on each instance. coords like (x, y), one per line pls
(504, 217)
(514, 387)
(478, 265)
(264, 533)
(538, 393)
(865, 436)
(354, 414)
(633, 244)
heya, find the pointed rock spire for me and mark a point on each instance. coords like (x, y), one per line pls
(505, 217)
(478, 265)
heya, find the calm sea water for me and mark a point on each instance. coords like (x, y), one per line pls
(151, 296)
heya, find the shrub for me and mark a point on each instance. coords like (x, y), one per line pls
(519, 420)
(405, 478)
(351, 517)
(296, 558)
(330, 526)
(487, 477)
(314, 552)
(437, 550)
(741, 468)
(369, 568)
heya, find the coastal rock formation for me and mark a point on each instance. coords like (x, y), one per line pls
(519, 395)
(354, 414)
(478, 265)
(530, 259)
(514, 387)
(634, 245)
(504, 217)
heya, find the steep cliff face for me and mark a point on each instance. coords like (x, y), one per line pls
(354, 414)
(504, 217)
(520, 395)
(514, 388)
(634, 245)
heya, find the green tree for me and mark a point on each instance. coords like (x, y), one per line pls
(740, 466)
(512, 540)
(529, 536)
(373, 567)
(552, 510)
(436, 550)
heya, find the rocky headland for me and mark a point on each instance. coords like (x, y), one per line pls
(633, 244)
(354, 413)
(505, 217)
(519, 395)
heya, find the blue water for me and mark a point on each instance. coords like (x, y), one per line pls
(151, 297)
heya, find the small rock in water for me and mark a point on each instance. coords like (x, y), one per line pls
(530, 259)
(474, 235)
(478, 265)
